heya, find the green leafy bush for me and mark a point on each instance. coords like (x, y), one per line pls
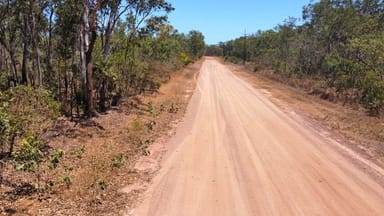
(78, 152)
(118, 161)
(373, 91)
(184, 58)
(30, 153)
(25, 109)
(55, 158)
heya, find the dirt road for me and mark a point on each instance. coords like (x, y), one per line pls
(237, 154)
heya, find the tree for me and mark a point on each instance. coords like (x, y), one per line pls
(88, 37)
(196, 43)
(340, 43)
(214, 50)
(9, 35)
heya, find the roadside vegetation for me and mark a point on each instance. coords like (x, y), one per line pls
(337, 52)
(63, 65)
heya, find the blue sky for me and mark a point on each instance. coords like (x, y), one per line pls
(224, 20)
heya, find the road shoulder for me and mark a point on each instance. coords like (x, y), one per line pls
(350, 132)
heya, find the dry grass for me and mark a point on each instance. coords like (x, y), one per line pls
(100, 155)
(362, 132)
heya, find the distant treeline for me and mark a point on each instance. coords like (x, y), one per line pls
(340, 44)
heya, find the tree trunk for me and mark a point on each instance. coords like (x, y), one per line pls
(49, 48)
(15, 78)
(59, 80)
(84, 45)
(88, 57)
(88, 39)
(34, 42)
(24, 67)
(103, 98)
(2, 60)
(65, 82)
(38, 64)
(108, 35)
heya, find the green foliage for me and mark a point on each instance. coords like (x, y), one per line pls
(184, 58)
(29, 154)
(68, 167)
(5, 125)
(118, 161)
(256, 68)
(162, 107)
(152, 110)
(66, 179)
(130, 45)
(137, 126)
(25, 109)
(233, 59)
(78, 152)
(55, 158)
(196, 43)
(136, 131)
(340, 42)
(373, 93)
(213, 50)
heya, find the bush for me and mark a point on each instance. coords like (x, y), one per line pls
(232, 59)
(118, 161)
(55, 158)
(25, 109)
(373, 91)
(29, 154)
(184, 58)
(256, 68)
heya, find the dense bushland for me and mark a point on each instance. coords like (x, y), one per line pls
(79, 58)
(339, 45)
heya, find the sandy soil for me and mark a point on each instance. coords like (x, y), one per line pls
(236, 153)
(101, 183)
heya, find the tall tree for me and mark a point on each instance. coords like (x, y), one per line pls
(196, 43)
(88, 37)
(9, 34)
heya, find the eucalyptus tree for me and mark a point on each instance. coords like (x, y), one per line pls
(196, 43)
(10, 35)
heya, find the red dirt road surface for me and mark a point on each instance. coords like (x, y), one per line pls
(236, 153)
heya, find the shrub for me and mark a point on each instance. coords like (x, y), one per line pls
(118, 161)
(55, 159)
(78, 152)
(256, 68)
(184, 58)
(25, 109)
(373, 91)
(29, 154)
(67, 180)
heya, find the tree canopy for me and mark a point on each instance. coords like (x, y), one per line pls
(340, 42)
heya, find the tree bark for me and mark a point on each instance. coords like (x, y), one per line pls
(103, 97)
(34, 42)
(49, 48)
(15, 78)
(84, 45)
(24, 69)
(89, 34)
(2, 60)
(108, 35)
(88, 57)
